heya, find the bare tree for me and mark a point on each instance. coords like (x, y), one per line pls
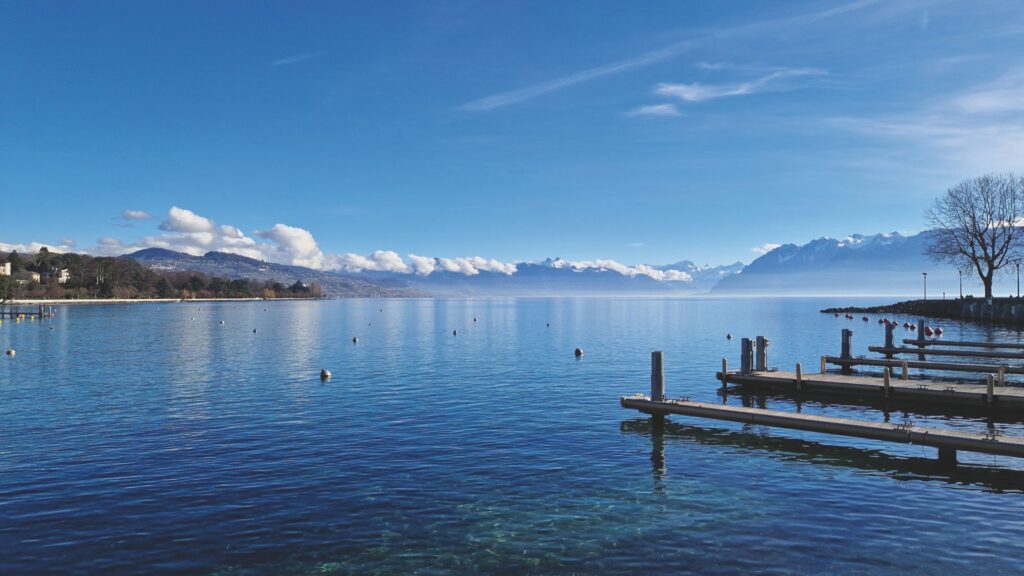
(977, 225)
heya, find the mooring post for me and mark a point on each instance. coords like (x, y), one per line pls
(725, 372)
(822, 364)
(947, 456)
(846, 351)
(799, 377)
(761, 361)
(746, 356)
(1002, 375)
(885, 380)
(906, 371)
(657, 377)
(888, 339)
(990, 390)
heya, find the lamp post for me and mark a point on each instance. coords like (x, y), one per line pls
(1018, 278)
(960, 273)
(925, 274)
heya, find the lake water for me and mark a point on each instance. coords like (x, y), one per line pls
(154, 439)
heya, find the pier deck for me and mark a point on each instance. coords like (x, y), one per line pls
(964, 344)
(925, 365)
(947, 441)
(961, 394)
(934, 352)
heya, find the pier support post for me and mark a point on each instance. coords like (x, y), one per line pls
(847, 349)
(799, 377)
(1002, 375)
(990, 394)
(822, 364)
(889, 339)
(885, 380)
(947, 456)
(746, 356)
(906, 371)
(761, 360)
(657, 377)
(725, 373)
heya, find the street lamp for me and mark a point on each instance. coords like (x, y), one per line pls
(925, 274)
(1018, 278)
(960, 273)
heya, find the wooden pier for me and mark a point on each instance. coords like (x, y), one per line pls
(27, 313)
(947, 441)
(933, 352)
(924, 365)
(932, 391)
(961, 343)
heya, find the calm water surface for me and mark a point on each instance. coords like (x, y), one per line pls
(154, 439)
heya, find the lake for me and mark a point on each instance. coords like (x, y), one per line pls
(171, 438)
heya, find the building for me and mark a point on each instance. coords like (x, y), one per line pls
(27, 277)
(5, 269)
(63, 275)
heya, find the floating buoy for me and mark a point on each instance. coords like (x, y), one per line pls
(548, 324)
(192, 318)
(355, 340)
(221, 321)
(728, 336)
(938, 331)
(880, 321)
(913, 326)
(474, 318)
(455, 332)
(370, 324)
(579, 352)
(253, 330)
(11, 352)
(325, 374)
(51, 327)
(864, 318)
(837, 314)
(928, 331)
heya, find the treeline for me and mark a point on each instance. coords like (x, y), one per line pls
(120, 277)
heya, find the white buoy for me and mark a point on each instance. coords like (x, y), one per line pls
(579, 352)
(455, 332)
(253, 330)
(11, 352)
(325, 374)
(221, 321)
(355, 340)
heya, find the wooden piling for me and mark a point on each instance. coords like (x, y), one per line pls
(989, 390)
(761, 359)
(746, 356)
(906, 371)
(725, 373)
(1002, 375)
(657, 377)
(887, 384)
(799, 377)
(846, 349)
(823, 368)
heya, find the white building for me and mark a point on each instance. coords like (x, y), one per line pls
(5, 269)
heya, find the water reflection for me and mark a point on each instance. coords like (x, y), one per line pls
(660, 430)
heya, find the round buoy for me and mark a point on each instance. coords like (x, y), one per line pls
(474, 318)
(728, 336)
(51, 327)
(325, 374)
(11, 352)
(938, 331)
(370, 324)
(549, 324)
(221, 321)
(253, 330)
(837, 315)
(355, 340)
(579, 352)
(455, 332)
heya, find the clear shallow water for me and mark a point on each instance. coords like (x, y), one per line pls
(136, 439)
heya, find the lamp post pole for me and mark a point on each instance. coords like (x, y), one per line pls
(1018, 279)
(925, 274)
(960, 273)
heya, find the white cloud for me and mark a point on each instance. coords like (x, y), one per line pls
(292, 245)
(31, 247)
(135, 215)
(182, 220)
(423, 265)
(295, 59)
(697, 92)
(656, 110)
(625, 270)
(379, 261)
(1005, 94)
(765, 248)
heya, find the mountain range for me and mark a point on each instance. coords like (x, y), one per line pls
(880, 264)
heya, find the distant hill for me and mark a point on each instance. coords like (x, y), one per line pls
(233, 266)
(880, 264)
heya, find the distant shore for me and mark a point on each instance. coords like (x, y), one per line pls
(1003, 311)
(35, 302)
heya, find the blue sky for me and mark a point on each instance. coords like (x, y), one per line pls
(323, 132)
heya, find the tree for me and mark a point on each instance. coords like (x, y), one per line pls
(977, 225)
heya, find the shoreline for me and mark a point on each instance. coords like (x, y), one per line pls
(997, 311)
(92, 301)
